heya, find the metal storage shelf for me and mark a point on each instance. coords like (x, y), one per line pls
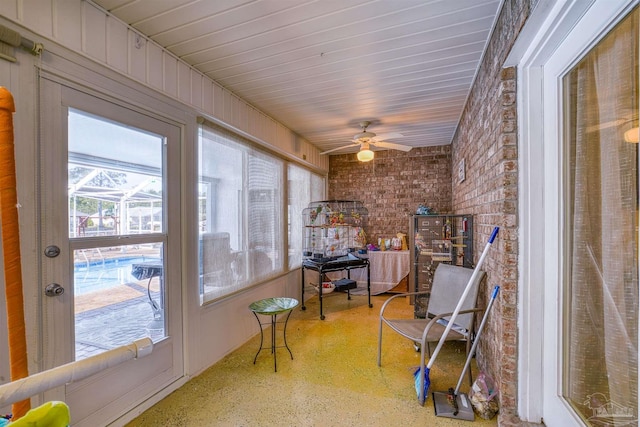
(436, 239)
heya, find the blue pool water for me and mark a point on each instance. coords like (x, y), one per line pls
(102, 275)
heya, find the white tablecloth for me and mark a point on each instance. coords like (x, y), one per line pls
(388, 268)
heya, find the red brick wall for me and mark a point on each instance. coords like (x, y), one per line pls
(490, 193)
(487, 141)
(392, 185)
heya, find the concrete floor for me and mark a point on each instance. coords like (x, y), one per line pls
(333, 379)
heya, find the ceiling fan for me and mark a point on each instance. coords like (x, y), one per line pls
(367, 139)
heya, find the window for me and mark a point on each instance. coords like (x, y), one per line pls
(241, 213)
(109, 198)
(304, 187)
(600, 378)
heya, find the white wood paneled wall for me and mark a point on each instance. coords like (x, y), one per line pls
(84, 28)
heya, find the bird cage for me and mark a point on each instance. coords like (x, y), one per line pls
(333, 228)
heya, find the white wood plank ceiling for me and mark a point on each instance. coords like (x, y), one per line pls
(320, 67)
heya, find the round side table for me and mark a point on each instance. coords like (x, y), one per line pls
(273, 307)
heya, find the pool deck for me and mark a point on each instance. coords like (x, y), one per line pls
(106, 320)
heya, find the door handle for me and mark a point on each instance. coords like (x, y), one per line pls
(53, 290)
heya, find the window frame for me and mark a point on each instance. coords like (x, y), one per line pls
(553, 27)
(285, 215)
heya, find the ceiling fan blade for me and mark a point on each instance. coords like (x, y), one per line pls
(606, 125)
(339, 148)
(392, 146)
(382, 137)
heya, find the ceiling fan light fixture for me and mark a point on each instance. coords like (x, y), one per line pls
(365, 155)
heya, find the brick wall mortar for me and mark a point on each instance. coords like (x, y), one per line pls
(392, 186)
(490, 192)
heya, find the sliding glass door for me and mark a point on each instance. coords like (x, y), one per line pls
(600, 312)
(590, 230)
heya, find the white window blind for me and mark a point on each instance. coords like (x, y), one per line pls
(304, 187)
(241, 216)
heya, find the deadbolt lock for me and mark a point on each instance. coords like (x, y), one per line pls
(51, 251)
(53, 290)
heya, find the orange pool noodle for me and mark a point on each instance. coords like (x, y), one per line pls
(11, 250)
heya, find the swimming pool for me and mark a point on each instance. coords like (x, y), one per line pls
(102, 275)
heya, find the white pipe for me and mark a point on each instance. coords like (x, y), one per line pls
(37, 383)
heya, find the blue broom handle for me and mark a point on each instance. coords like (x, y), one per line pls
(467, 289)
(494, 233)
(494, 294)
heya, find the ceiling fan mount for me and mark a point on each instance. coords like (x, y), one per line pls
(367, 139)
(364, 136)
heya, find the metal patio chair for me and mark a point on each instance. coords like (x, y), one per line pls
(448, 285)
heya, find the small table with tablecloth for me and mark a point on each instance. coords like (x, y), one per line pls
(387, 270)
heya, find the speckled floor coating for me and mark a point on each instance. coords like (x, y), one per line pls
(333, 379)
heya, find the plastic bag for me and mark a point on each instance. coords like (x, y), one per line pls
(483, 396)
